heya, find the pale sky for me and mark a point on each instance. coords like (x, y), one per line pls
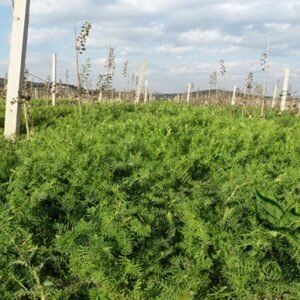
(183, 40)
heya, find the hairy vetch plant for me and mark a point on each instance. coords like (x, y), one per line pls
(158, 201)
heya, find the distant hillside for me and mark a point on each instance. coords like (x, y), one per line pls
(202, 93)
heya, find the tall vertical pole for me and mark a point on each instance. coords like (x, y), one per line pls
(275, 93)
(233, 95)
(266, 66)
(285, 89)
(53, 90)
(146, 92)
(188, 96)
(140, 82)
(100, 97)
(16, 68)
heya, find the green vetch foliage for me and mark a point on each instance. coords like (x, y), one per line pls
(161, 201)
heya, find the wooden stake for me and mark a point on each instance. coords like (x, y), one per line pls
(285, 90)
(27, 119)
(16, 68)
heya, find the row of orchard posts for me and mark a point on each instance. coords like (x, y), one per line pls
(15, 95)
(234, 97)
(63, 91)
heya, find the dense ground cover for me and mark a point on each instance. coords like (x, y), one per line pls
(151, 202)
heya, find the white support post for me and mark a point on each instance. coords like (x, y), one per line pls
(188, 96)
(141, 81)
(285, 90)
(275, 94)
(233, 95)
(36, 94)
(146, 92)
(100, 97)
(16, 68)
(53, 89)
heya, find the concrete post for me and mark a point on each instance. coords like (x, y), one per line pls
(233, 95)
(188, 97)
(146, 92)
(285, 90)
(16, 68)
(275, 93)
(141, 81)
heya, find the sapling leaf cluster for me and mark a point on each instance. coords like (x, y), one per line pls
(82, 37)
(80, 48)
